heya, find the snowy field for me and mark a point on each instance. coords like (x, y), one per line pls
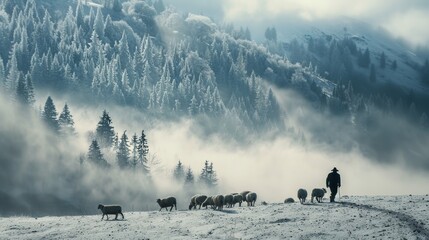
(384, 217)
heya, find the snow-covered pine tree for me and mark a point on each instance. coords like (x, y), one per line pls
(95, 155)
(115, 142)
(22, 95)
(143, 151)
(208, 175)
(179, 172)
(189, 178)
(30, 90)
(66, 122)
(212, 176)
(123, 153)
(104, 132)
(49, 115)
(99, 24)
(134, 157)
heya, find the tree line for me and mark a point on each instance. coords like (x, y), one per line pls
(130, 153)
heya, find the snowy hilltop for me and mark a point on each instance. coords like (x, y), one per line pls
(378, 217)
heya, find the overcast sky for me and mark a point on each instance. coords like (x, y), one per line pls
(407, 19)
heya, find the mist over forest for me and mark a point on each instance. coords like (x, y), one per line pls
(129, 101)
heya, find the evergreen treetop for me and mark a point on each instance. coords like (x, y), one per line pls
(95, 155)
(123, 153)
(49, 115)
(179, 172)
(66, 122)
(189, 178)
(208, 175)
(104, 132)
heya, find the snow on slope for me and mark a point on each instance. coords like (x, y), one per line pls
(384, 217)
(366, 36)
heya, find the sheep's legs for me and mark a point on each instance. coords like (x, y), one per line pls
(122, 215)
(102, 217)
(170, 208)
(116, 217)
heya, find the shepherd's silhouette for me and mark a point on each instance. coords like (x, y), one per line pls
(333, 182)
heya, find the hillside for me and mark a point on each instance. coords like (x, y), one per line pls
(139, 54)
(356, 217)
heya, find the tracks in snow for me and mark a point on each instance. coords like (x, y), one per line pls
(417, 227)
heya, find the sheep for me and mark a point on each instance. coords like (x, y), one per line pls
(197, 200)
(167, 202)
(218, 202)
(110, 209)
(289, 200)
(228, 200)
(318, 193)
(243, 194)
(251, 199)
(237, 198)
(208, 202)
(302, 195)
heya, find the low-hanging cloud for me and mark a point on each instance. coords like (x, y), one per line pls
(38, 177)
(403, 19)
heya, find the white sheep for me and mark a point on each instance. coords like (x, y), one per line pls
(243, 194)
(251, 199)
(237, 198)
(318, 193)
(208, 202)
(167, 202)
(302, 195)
(218, 202)
(197, 200)
(228, 200)
(110, 209)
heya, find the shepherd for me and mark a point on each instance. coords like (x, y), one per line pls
(333, 182)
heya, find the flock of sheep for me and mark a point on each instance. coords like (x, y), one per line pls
(215, 202)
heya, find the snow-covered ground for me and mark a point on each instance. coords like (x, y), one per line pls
(356, 217)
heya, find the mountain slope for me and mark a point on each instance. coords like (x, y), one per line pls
(376, 40)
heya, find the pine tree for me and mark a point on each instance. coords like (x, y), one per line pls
(189, 178)
(134, 157)
(115, 142)
(13, 76)
(95, 155)
(179, 172)
(99, 24)
(212, 176)
(123, 153)
(2, 75)
(208, 175)
(49, 115)
(143, 151)
(104, 132)
(30, 90)
(66, 122)
(22, 95)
